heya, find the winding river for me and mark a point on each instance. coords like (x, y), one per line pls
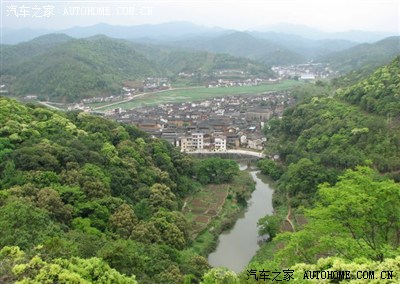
(237, 246)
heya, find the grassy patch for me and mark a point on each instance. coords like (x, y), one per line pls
(266, 252)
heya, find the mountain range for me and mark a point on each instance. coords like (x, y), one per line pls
(75, 64)
(67, 69)
(366, 55)
(173, 31)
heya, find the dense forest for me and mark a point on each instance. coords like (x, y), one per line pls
(87, 200)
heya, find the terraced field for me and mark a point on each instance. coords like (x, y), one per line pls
(215, 205)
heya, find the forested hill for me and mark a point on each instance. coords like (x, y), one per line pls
(368, 56)
(243, 44)
(75, 186)
(78, 67)
(15, 54)
(61, 68)
(379, 93)
(327, 132)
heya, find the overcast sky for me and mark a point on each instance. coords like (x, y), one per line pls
(327, 15)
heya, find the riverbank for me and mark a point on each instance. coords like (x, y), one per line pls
(237, 246)
(215, 209)
(290, 221)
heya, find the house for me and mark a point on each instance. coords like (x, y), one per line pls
(149, 126)
(177, 121)
(307, 77)
(170, 136)
(232, 129)
(220, 143)
(186, 144)
(232, 140)
(193, 142)
(197, 140)
(243, 140)
(258, 114)
(255, 143)
(207, 140)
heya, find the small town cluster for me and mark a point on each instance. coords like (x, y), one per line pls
(216, 124)
(157, 84)
(305, 72)
(150, 84)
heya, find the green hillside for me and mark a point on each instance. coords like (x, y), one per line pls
(365, 56)
(173, 60)
(15, 54)
(79, 191)
(330, 133)
(80, 68)
(242, 44)
(59, 68)
(379, 93)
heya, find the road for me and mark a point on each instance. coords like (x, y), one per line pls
(143, 94)
(50, 106)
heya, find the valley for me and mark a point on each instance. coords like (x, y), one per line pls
(184, 154)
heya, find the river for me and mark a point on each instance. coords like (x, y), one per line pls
(238, 245)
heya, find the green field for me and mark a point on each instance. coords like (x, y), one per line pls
(202, 93)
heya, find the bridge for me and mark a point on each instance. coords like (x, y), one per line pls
(228, 152)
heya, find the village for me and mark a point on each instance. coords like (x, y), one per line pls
(219, 79)
(218, 124)
(157, 84)
(305, 72)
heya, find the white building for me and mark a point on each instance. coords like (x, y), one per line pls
(307, 76)
(220, 143)
(192, 143)
(186, 144)
(198, 140)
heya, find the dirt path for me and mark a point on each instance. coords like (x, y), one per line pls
(289, 214)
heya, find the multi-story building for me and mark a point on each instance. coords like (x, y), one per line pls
(220, 143)
(193, 142)
(198, 140)
(186, 144)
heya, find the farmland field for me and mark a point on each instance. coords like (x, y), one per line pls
(201, 93)
(216, 207)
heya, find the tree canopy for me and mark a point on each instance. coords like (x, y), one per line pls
(93, 192)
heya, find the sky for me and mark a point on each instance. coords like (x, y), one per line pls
(326, 15)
